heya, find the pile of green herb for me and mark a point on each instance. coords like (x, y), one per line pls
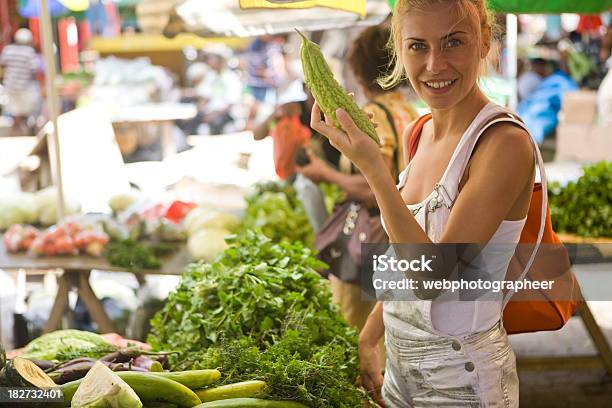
(262, 311)
(274, 209)
(132, 254)
(583, 207)
(332, 194)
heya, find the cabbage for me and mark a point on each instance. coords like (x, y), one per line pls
(46, 202)
(61, 345)
(121, 202)
(101, 388)
(18, 209)
(202, 218)
(207, 244)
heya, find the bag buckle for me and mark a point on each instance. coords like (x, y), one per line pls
(441, 198)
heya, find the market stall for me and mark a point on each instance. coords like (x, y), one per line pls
(254, 322)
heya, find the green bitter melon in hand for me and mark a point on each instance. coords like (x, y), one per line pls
(328, 93)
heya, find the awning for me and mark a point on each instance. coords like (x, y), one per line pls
(550, 7)
(225, 18)
(546, 6)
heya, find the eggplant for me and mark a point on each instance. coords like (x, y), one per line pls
(123, 355)
(144, 362)
(45, 365)
(2, 356)
(78, 370)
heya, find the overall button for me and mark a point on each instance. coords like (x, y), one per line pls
(456, 346)
(469, 366)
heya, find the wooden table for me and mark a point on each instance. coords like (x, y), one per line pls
(76, 271)
(603, 358)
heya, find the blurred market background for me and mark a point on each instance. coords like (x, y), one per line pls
(156, 104)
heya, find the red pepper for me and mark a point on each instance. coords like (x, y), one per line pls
(178, 210)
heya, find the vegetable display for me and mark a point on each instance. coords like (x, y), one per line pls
(21, 372)
(262, 312)
(328, 92)
(103, 388)
(132, 254)
(63, 345)
(333, 195)
(583, 207)
(275, 210)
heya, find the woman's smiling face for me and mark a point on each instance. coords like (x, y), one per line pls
(441, 52)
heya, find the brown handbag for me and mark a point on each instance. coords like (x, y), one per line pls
(339, 240)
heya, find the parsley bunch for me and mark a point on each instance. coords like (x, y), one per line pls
(583, 207)
(261, 310)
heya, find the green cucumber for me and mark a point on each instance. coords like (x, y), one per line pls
(192, 379)
(245, 389)
(251, 403)
(149, 387)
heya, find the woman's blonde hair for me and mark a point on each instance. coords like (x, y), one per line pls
(476, 10)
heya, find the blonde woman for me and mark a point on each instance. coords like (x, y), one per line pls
(469, 182)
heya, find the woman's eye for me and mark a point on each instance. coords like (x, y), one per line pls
(452, 43)
(417, 46)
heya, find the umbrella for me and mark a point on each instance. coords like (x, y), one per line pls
(32, 9)
(225, 18)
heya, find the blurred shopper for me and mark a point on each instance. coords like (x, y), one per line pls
(368, 58)
(536, 70)
(289, 128)
(220, 90)
(20, 63)
(265, 67)
(604, 97)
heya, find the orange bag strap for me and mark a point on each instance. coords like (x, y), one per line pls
(415, 135)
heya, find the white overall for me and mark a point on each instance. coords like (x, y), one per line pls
(427, 366)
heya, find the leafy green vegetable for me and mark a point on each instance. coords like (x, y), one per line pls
(64, 345)
(275, 210)
(261, 311)
(583, 207)
(333, 195)
(132, 254)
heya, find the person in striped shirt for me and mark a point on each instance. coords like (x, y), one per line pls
(20, 63)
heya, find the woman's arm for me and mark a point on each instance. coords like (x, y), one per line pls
(370, 358)
(355, 186)
(262, 130)
(374, 329)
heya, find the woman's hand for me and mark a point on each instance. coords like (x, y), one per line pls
(351, 141)
(317, 170)
(370, 362)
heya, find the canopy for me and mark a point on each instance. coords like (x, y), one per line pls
(225, 18)
(550, 7)
(546, 6)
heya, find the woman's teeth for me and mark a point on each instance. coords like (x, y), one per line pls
(438, 85)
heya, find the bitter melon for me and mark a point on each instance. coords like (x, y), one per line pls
(328, 93)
